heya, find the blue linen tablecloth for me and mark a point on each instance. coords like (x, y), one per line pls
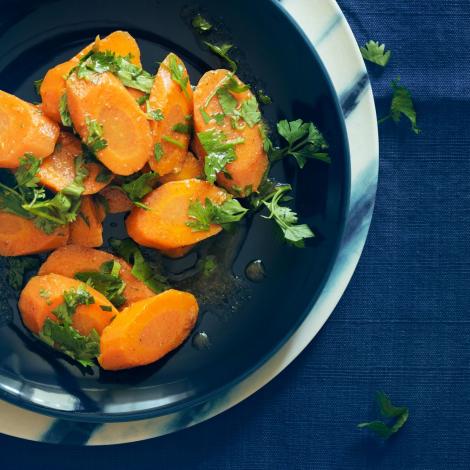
(403, 325)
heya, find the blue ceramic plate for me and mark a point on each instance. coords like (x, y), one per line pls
(250, 322)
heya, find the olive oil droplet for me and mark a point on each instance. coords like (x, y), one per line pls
(255, 271)
(201, 340)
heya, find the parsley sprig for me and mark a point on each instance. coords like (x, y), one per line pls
(222, 51)
(375, 52)
(139, 187)
(389, 411)
(95, 140)
(201, 24)
(178, 73)
(64, 111)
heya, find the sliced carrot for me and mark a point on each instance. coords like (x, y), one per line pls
(163, 225)
(192, 168)
(42, 294)
(87, 229)
(148, 330)
(251, 162)
(138, 94)
(53, 85)
(177, 252)
(176, 105)
(23, 129)
(73, 259)
(58, 170)
(117, 200)
(197, 148)
(19, 236)
(104, 99)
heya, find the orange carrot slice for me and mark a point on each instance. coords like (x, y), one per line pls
(192, 168)
(19, 236)
(176, 104)
(117, 200)
(148, 330)
(23, 128)
(58, 170)
(73, 259)
(42, 294)
(251, 162)
(163, 225)
(87, 229)
(125, 128)
(53, 85)
(177, 252)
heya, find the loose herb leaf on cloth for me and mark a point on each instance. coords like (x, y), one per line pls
(376, 53)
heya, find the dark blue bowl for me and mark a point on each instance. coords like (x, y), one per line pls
(253, 320)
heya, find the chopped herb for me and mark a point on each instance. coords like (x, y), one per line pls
(155, 114)
(222, 51)
(284, 216)
(182, 128)
(45, 294)
(107, 281)
(207, 265)
(158, 151)
(95, 140)
(227, 102)
(205, 116)
(178, 74)
(218, 118)
(37, 86)
(169, 139)
(18, 267)
(129, 251)
(250, 112)
(375, 53)
(139, 187)
(263, 98)
(106, 308)
(63, 336)
(64, 111)
(140, 101)
(304, 141)
(224, 214)
(387, 410)
(220, 151)
(402, 104)
(201, 24)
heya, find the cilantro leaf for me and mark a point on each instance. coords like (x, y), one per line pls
(219, 150)
(222, 51)
(387, 410)
(158, 151)
(402, 104)
(224, 214)
(18, 267)
(304, 140)
(95, 140)
(227, 102)
(154, 114)
(107, 281)
(375, 53)
(178, 73)
(182, 128)
(139, 187)
(143, 99)
(169, 139)
(207, 265)
(201, 24)
(64, 111)
(129, 251)
(263, 98)
(250, 112)
(37, 86)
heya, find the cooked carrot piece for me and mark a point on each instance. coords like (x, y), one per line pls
(176, 104)
(197, 148)
(148, 330)
(73, 259)
(23, 129)
(117, 200)
(106, 102)
(87, 229)
(19, 236)
(58, 170)
(192, 168)
(163, 225)
(177, 252)
(251, 161)
(42, 294)
(138, 94)
(53, 85)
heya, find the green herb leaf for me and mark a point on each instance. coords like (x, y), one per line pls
(155, 114)
(250, 112)
(304, 140)
(107, 281)
(129, 251)
(37, 86)
(95, 140)
(140, 101)
(158, 151)
(263, 98)
(207, 265)
(169, 139)
(201, 24)
(402, 104)
(139, 187)
(375, 53)
(387, 410)
(227, 102)
(64, 111)
(178, 73)
(224, 214)
(220, 151)
(222, 51)
(18, 267)
(182, 128)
